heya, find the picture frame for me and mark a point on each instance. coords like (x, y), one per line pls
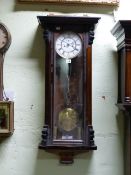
(6, 118)
(68, 2)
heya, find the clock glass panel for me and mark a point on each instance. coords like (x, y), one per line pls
(68, 88)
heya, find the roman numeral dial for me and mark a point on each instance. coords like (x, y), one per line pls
(68, 45)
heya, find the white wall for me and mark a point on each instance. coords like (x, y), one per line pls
(24, 75)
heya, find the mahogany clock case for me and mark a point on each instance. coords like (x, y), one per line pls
(79, 134)
(122, 33)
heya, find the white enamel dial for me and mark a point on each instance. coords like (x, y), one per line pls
(68, 45)
(5, 38)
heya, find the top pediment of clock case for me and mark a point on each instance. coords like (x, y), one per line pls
(55, 23)
(122, 33)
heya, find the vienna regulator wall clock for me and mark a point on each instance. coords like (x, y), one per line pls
(6, 106)
(122, 32)
(68, 88)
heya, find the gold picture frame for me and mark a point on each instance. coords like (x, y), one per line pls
(90, 2)
(6, 118)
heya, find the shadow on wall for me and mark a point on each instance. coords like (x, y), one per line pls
(38, 49)
(100, 9)
(120, 124)
(121, 129)
(48, 164)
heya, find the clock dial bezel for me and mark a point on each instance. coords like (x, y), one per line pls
(68, 45)
(7, 43)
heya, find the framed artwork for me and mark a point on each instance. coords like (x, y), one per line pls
(6, 118)
(91, 2)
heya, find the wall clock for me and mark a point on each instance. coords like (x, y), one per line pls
(68, 109)
(122, 33)
(6, 106)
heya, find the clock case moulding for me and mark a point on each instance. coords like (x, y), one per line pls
(53, 26)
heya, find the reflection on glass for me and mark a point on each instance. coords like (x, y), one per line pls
(68, 99)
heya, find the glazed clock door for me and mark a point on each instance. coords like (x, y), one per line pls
(68, 104)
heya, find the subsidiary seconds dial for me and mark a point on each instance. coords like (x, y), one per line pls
(68, 45)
